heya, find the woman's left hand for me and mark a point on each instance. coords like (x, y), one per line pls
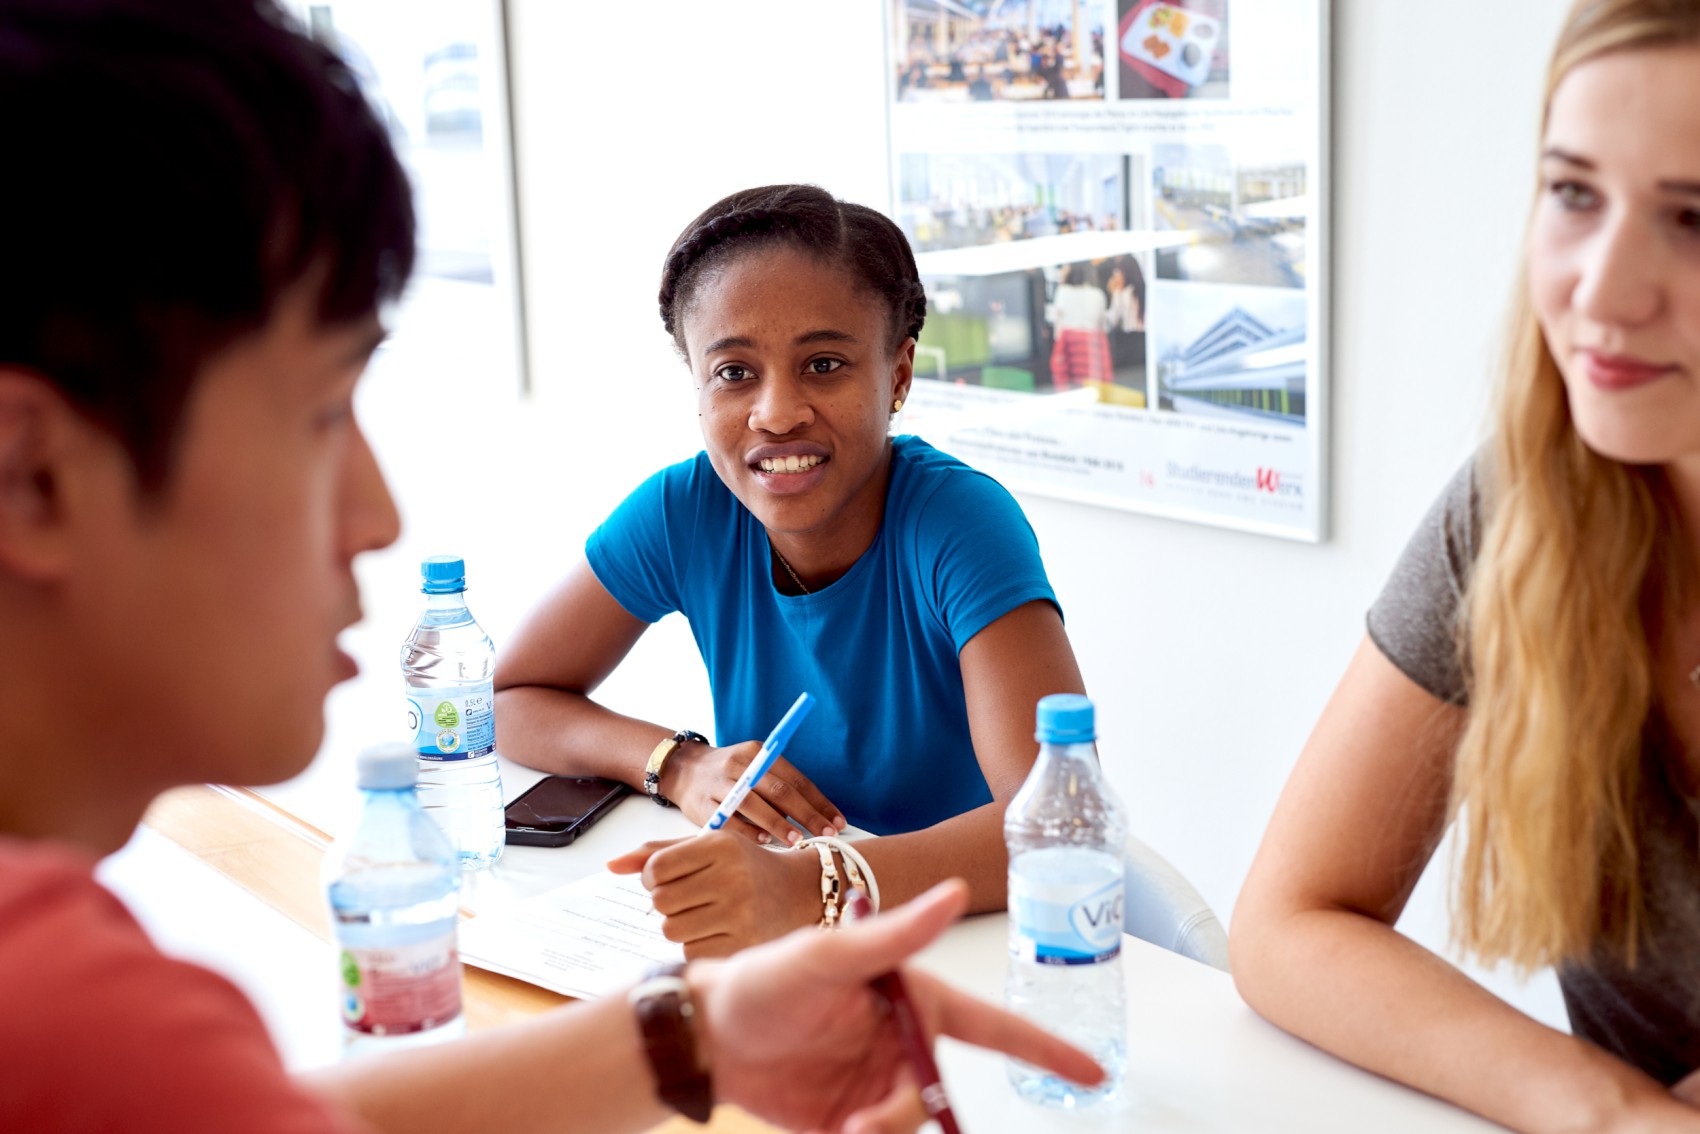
(720, 893)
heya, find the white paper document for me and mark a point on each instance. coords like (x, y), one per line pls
(588, 938)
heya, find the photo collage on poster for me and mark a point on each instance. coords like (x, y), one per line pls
(1113, 204)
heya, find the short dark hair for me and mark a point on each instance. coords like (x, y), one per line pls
(172, 168)
(859, 239)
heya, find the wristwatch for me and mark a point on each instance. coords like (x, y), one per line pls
(658, 759)
(666, 1019)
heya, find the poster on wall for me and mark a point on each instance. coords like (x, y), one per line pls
(1118, 210)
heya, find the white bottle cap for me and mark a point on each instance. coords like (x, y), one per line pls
(392, 765)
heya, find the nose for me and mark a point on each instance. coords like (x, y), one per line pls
(368, 512)
(781, 406)
(1620, 276)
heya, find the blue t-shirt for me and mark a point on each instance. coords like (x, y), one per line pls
(887, 740)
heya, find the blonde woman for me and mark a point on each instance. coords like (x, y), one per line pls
(1532, 669)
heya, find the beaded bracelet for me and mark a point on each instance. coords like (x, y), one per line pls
(861, 874)
(828, 888)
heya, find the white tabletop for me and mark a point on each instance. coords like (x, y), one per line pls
(1199, 1060)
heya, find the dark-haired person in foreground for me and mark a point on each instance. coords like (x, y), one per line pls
(202, 217)
(810, 550)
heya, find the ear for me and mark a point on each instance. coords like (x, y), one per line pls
(903, 369)
(39, 434)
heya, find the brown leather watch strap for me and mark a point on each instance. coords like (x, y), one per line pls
(666, 1018)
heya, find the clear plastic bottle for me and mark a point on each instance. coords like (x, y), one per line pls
(449, 662)
(394, 889)
(1065, 830)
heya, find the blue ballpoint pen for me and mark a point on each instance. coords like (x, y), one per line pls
(770, 749)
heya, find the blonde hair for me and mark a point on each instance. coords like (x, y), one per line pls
(1579, 559)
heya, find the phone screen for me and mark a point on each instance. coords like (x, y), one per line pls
(559, 803)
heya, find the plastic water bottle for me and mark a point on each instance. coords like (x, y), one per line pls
(448, 662)
(394, 889)
(1065, 829)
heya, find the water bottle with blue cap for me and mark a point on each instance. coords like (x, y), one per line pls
(1065, 830)
(449, 664)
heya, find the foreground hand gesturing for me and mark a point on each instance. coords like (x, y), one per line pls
(792, 1032)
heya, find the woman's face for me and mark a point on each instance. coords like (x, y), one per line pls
(797, 376)
(1614, 251)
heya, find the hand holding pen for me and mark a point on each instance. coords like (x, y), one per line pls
(781, 808)
(770, 750)
(719, 894)
(917, 1049)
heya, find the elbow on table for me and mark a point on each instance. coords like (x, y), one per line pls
(1256, 953)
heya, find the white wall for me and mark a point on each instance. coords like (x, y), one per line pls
(1211, 652)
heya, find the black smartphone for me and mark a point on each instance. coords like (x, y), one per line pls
(553, 811)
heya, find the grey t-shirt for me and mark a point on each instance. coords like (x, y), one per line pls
(1648, 1015)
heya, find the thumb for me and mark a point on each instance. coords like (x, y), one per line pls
(633, 861)
(868, 948)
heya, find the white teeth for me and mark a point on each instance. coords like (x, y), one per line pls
(789, 464)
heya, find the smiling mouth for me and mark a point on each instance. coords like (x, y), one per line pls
(784, 465)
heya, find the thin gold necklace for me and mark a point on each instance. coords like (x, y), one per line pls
(790, 572)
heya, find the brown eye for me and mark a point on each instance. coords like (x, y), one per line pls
(824, 365)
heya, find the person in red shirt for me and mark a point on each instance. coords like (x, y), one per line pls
(203, 217)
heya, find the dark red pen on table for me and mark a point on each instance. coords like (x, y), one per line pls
(890, 986)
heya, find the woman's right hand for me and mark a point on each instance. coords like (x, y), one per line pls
(697, 777)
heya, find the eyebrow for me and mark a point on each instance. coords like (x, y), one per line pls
(1674, 185)
(824, 335)
(1565, 156)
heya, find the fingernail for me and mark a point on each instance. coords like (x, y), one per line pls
(794, 837)
(840, 822)
(763, 837)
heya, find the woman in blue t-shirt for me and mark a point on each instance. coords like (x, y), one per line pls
(809, 550)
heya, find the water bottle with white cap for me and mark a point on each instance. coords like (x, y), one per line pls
(394, 888)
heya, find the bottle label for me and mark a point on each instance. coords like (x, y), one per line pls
(1064, 923)
(454, 723)
(395, 991)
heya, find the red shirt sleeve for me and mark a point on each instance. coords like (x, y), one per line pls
(101, 1031)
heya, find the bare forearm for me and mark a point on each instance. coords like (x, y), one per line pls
(1355, 987)
(969, 846)
(578, 1068)
(569, 734)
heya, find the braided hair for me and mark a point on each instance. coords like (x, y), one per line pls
(861, 241)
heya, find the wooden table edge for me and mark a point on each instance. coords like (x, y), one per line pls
(276, 857)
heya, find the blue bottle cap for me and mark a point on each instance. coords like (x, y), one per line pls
(387, 766)
(1066, 718)
(443, 574)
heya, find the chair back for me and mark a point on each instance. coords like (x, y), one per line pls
(1162, 907)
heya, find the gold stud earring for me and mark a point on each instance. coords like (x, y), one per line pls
(897, 406)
